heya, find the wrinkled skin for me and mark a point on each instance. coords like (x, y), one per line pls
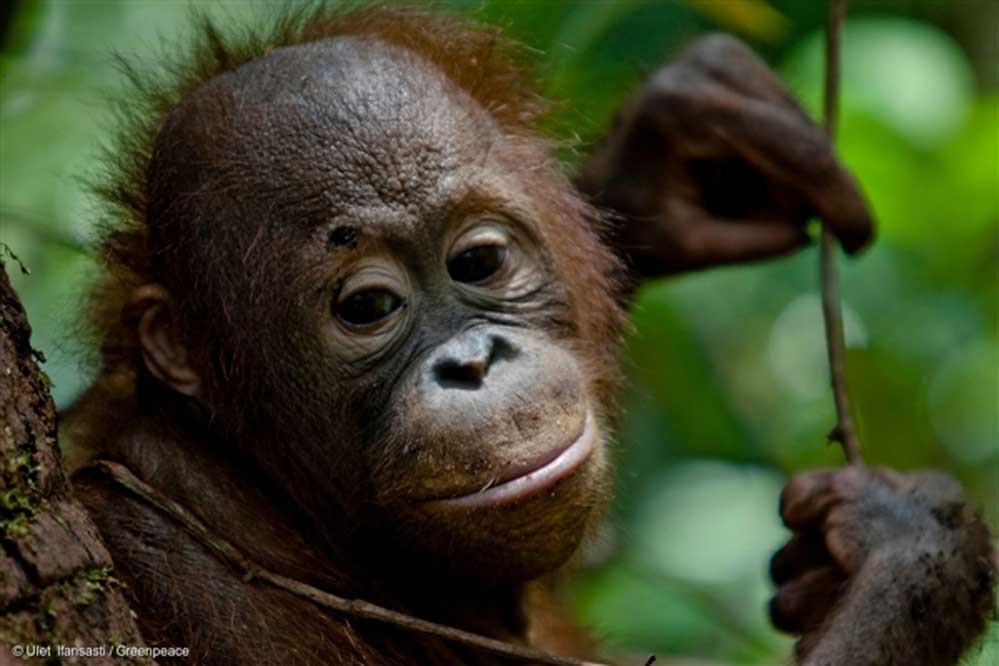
(395, 379)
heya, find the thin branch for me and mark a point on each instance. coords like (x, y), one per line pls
(843, 432)
(250, 571)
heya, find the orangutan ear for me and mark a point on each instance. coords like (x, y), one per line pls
(163, 349)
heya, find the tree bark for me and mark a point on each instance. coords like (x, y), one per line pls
(57, 586)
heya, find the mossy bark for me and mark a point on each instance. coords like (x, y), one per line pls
(56, 579)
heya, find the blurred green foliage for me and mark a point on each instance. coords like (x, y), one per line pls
(729, 391)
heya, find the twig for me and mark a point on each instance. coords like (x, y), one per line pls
(5, 251)
(250, 571)
(843, 432)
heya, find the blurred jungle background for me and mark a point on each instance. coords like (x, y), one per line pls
(729, 390)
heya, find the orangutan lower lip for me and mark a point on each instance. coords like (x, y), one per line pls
(564, 464)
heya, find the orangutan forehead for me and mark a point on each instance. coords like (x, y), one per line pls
(341, 123)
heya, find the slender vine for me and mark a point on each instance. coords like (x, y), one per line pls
(844, 431)
(250, 571)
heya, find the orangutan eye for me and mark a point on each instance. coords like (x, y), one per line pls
(477, 264)
(368, 307)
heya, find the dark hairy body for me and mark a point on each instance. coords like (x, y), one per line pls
(356, 318)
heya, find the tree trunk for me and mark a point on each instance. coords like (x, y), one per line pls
(57, 588)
